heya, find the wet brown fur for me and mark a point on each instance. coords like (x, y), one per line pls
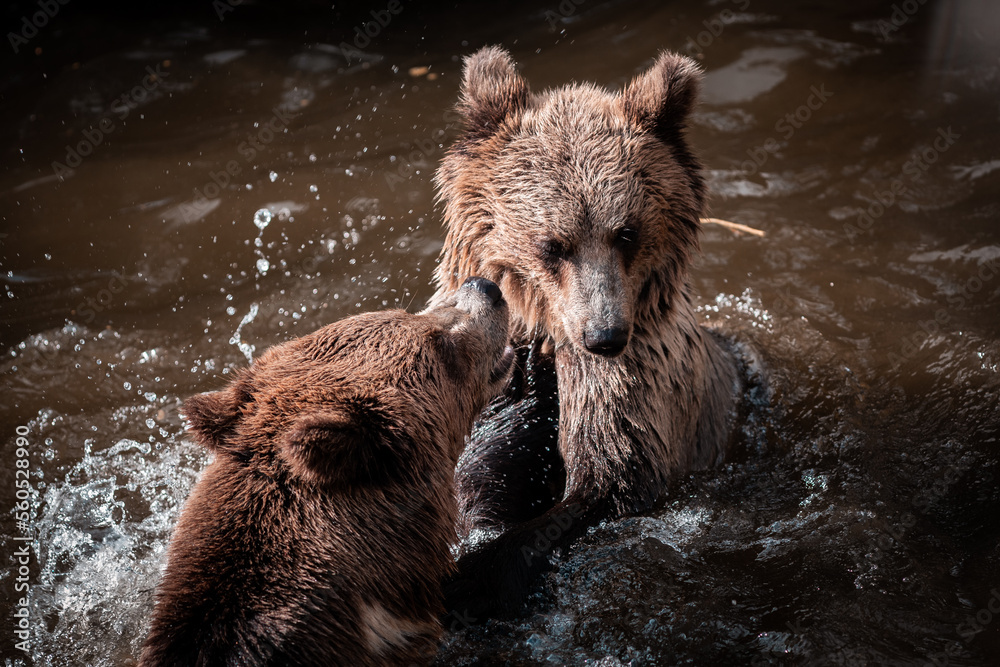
(320, 533)
(584, 206)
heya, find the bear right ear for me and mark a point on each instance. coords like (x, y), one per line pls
(340, 447)
(491, 91)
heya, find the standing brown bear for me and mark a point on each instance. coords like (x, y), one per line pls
(584, 206)
(320, 533)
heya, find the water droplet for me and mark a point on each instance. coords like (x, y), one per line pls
(262, 218)
(127, 385)
(313, 188)
(273, 176)
(246, 348)
(263, 265)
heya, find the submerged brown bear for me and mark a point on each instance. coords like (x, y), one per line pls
(584, 206)
(320, 533)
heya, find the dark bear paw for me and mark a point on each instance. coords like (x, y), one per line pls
(492, 582)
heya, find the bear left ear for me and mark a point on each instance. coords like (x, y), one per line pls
(492, 90)
(660, 99)
(339, 447)
(212, 417)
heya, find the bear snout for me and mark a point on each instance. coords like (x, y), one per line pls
(606, 341)
(487, 287)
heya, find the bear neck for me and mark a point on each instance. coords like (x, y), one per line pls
(659, 408)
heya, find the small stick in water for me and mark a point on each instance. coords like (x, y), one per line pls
(734, 226)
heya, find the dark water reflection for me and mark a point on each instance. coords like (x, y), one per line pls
(858, 523)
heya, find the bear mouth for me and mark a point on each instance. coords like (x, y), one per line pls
(501, 369)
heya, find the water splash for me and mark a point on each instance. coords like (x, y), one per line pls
(103, 534)
(246, 348)
(262, 218)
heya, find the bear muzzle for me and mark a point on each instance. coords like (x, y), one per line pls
(487, 287)
(478, 288)
(606, 341)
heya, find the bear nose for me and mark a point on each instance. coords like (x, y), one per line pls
(487, 287)
(606, 342)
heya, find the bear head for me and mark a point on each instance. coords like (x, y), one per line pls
(365, 400)
(582, 204)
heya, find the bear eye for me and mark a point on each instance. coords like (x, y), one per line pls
(627, 242)
(554, 252)
(626, 237)
(553, 249)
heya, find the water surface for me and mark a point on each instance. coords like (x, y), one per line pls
(257, 182)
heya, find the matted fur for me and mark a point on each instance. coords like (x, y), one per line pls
(320, 532)
(584, 206)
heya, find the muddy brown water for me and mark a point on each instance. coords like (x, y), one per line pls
(240, 182)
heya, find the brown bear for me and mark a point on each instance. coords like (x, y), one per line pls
(584, 205)
(320, 533)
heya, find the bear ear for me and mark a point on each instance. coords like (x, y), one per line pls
(212, 417)
(336, 447)
(660, 99)
(492, 90)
